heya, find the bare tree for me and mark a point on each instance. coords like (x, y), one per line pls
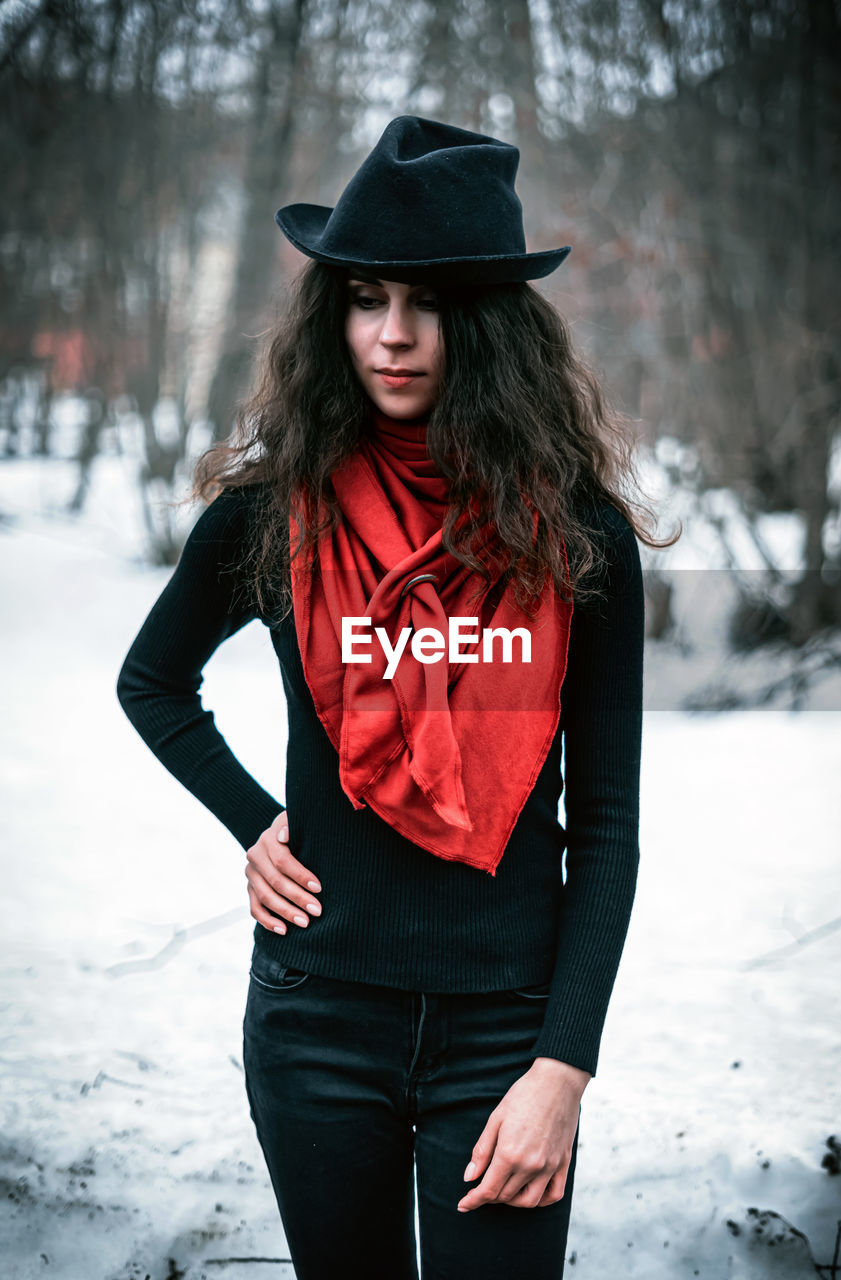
(689, 152)
(275, 89)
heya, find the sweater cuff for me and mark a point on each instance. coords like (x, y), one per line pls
(251, 818)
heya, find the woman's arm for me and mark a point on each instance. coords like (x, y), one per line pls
(601, 708)
(158, 685)
(523, 1154)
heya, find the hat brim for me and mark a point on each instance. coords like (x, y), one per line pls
(303, 225)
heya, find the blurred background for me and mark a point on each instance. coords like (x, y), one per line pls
(689, 152)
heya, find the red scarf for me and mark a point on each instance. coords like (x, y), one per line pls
(446, 753)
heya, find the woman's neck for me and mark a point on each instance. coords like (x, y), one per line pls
(387, 421)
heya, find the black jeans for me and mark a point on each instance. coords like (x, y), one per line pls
(350, 1086)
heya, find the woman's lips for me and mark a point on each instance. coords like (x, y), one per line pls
(399, 380)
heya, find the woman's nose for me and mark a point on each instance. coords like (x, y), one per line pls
(396, 330)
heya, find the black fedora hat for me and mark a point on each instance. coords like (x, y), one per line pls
(431, 202)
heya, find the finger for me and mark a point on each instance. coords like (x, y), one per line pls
(483, 1149)
(526, 1179)
(555, 1187)
(507, 1176)
(528, 1195)
(283, 885)
(273, 901)
(273, 862)
(289, 864)
(262, 916)
(499, 1171)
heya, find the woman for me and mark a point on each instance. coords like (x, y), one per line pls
(422, 504)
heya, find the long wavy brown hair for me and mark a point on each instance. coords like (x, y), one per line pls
(521, 425)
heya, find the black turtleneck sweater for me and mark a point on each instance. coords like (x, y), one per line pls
(393, 913)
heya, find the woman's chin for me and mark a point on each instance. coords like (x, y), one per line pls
(398, 405)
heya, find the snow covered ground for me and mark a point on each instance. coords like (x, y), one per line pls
(126, 1145)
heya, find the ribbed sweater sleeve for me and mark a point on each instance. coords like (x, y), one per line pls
(601, 709)
(159, 682)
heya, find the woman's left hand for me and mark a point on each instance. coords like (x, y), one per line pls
(525, 1148)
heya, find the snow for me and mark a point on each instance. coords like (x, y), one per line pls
(127, 1147)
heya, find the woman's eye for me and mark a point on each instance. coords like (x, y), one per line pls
(367, 303)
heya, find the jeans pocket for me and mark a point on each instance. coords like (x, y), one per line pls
(539, 991)
(275, 975)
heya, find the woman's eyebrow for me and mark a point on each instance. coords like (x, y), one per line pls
(359, 278)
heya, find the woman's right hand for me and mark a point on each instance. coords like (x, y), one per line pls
(278, 884)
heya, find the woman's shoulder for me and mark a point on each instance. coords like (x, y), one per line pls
(231, 511)
(615, 541)
(224, 530)
(602, 516)
(242, 497)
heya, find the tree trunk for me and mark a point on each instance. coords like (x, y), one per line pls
(815, 604)
(265, 183)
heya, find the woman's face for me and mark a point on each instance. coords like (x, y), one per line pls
(393, 336)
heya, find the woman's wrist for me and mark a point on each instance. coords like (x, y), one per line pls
(555, 1068)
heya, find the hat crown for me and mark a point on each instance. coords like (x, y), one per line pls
(431, 190)
(431, 202)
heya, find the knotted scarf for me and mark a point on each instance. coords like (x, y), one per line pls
(445, 752)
